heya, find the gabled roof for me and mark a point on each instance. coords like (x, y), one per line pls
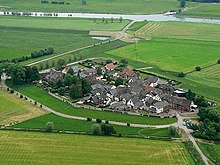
(161, 104)
(110, 66)
(151, 79)
(128, 72)
(149, 88)
(126, 96)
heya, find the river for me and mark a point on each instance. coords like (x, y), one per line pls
(150, 17)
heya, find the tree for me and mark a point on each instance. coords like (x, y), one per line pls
(190, 95)
(197, 68)
(96, 129)
(108, 61)
(172, 130)
(119, 81)
(61, 64)
(107, 129)
(112, 19)
(123, 62)
(61, 91)
(201, 101)
(218, 61)
(47, 65)
(17, 73)
(182, 3)
(70, 71)
(84, 2)
(86, 87)
(120, 19)
(99, 71)
(49, 127)
(181, 74)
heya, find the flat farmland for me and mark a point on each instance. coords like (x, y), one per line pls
(43, 97)
(212, 74)
(61, 23)
(20, 148)
(18, 42)
(14, 109)
(94, 6)
(178, 30)
(171, 54)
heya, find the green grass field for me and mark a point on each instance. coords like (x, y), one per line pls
(95, 6)
(17, 42)
(212, 74)
(178, 30)
(171, 54)
(48, 148)
(15, 109)
(43, 97)
(205, 11)
(212, 151)
(61, 123)
(61, 23)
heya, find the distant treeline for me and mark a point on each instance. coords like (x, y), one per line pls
(55, 2)
(34, 54)
(205, 1)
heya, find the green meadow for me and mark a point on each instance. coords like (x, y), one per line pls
(205, 11)
(94, 6)
(61, 23)
(18, 42)
(61, 123)
(171, 54)
(177, 30)
(48, 148)
(43, 97)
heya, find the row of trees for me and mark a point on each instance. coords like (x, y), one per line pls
(103, 129)
(209, 127)
(205, 1)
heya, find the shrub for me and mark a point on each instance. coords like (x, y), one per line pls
(107, 129)
(12, 91)
(98, 120)
(128, 124)
(49, 127)
(106, 121)
(89, 119)
(181, 74)
(172, 130)
(198, 68)
(21, 96)
(96, 129)
(218, 61)
(35, 103)
(8, 89)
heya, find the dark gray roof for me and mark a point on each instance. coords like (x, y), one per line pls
(151, 79)
(126, 96)
(161, 104)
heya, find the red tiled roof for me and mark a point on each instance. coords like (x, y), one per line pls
(128, 72)
(148, 88)
(110, 66)
(103, 68)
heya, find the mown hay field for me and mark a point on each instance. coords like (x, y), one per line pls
(20, 148)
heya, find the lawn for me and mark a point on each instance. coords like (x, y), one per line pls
(212, 151)
(61, 123)
(61, 23)
(178, 30)
(49, 148)
(43, 97)
(95, 6)
(17, 42)
(205, 11)
(14, 109)
(171, 54)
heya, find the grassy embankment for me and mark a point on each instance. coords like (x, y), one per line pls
(95, 6)
(20, 148)
(44, 98)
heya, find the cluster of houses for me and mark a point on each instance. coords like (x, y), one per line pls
(152, 94)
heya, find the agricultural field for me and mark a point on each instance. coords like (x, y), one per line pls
(82, 149)
(95, 6)
(205, 11)
(43, 97)
(177, 30)
(18, 42)
(212, 74)
(61, 123)
(212, 151)
(171, 54)
(61, 23)
(14, 109)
